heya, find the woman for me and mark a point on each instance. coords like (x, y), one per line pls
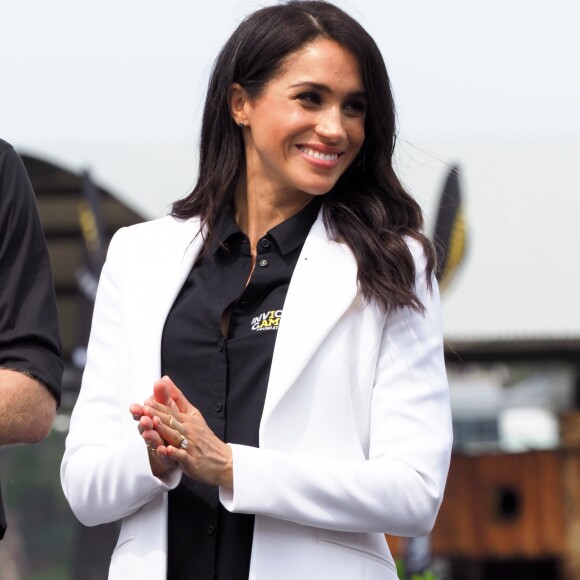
(290, 297)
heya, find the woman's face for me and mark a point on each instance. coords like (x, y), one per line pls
(307, 125)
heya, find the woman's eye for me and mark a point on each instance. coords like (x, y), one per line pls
(356, 107)
(310, 98)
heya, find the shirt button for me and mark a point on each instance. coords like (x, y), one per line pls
(210, 530)
(218, 406)
(265, 243)
(220, 346)
(263, 263)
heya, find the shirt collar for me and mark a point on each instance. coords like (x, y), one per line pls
(225, 227)
(288, 235)
(292, 232)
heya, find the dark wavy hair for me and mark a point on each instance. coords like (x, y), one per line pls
(368, 209)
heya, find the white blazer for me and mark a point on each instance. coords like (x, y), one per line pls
(355, 435)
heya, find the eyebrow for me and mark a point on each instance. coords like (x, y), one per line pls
(326, 89)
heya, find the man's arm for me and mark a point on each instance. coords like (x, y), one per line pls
(30, 363)
(27, 409)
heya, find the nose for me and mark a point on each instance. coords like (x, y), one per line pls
(330, 126)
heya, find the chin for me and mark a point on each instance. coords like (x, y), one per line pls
(319, 189)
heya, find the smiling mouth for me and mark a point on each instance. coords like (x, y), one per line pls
(318, 155)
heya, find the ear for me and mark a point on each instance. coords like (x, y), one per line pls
(238, 101)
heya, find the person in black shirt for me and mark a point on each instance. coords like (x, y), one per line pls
(30, 364)
(288, 305)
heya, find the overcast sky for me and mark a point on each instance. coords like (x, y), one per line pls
(137, 68)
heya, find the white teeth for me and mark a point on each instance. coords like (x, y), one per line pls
(318, 155)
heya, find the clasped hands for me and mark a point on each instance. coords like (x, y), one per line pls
(176, 434)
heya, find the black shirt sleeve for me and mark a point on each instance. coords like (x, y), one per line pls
(29, 331)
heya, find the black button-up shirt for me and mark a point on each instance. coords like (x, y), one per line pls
(226, 376)
(29, 333)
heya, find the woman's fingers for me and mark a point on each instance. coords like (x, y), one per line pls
(164, 412)
(169, 428)
(170, 390)
(146, 427)
(147, 431)
(175, 432)
(159, 460)
(161, 395)
(136, 411)
(149, 417)
(155, 409)
(165, 393)
(177, 429)
(153, 440)
(145, 424)
(191, 443)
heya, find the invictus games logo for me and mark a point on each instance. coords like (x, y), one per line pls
(267, 320)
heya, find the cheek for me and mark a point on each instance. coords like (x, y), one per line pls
(357, 134)
(358, 142)
(277, 133)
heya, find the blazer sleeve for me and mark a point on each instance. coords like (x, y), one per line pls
(105, 471)
(398, 489)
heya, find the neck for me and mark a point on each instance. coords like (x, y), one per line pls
(256, 213)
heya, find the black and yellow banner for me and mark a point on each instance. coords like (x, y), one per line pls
(450, 237)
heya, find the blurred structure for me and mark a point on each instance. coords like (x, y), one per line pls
(512, 503)
(79, 220)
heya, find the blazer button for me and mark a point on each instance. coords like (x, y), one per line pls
(210, 530)
(218, 406)
(220, 346)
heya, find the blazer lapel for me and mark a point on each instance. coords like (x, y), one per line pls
(323, 286)
(166, 274)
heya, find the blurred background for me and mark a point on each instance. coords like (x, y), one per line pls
(103, 101)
